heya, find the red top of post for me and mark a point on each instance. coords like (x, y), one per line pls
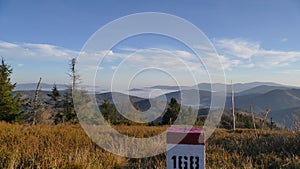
(185, 135)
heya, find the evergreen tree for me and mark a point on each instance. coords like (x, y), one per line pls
(172, 112)
(109, 112)
(187, 116)
(10, 104)
(55, 102)
(54, 96)
(69, 114)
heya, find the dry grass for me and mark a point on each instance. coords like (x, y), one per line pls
(66, 146)
(273, 149)
(62, 146)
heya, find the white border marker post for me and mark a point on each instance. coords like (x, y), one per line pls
(185, 148)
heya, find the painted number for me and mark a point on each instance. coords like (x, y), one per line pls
(185, 162)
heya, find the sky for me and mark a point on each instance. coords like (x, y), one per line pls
(255, 41)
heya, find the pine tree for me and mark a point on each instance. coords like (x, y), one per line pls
(10, 104)
(55, 103)
(172, 112)
(69, 114)
(109, 112)
(54, 96)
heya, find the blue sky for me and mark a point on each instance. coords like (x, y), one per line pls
(257, 40)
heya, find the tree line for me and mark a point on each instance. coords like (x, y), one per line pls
(15, 108)
(59, 107)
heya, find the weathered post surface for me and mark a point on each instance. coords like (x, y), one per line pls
(185, 148)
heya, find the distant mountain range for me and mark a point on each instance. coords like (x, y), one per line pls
(48, 87)
(242, 88)
(261, 89)
(238, 87)
(284, 101)
(43, 86)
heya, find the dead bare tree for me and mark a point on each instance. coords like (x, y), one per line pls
(253, 120)
(69, 114)
(296, 122)
(74, 76)
(232, 101)
(36, 103)
(264, 119)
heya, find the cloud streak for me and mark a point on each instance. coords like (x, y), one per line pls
(233, 53)
(172, 60)
(45, 52)
(236, 56)
(242, 53)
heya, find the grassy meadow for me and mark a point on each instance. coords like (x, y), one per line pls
(67, 146)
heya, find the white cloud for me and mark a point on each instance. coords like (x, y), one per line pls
(47, 52)
(227, 63)
(238, 48)
(91, 67)
(7, 45)
(234, 53)
(290, 71)
(35, 51)
(284, 40)
(20, 65)
(171, 60)
(267, 59)
(183, 54)
(95, 56)
(242, 53)
(114, 67)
